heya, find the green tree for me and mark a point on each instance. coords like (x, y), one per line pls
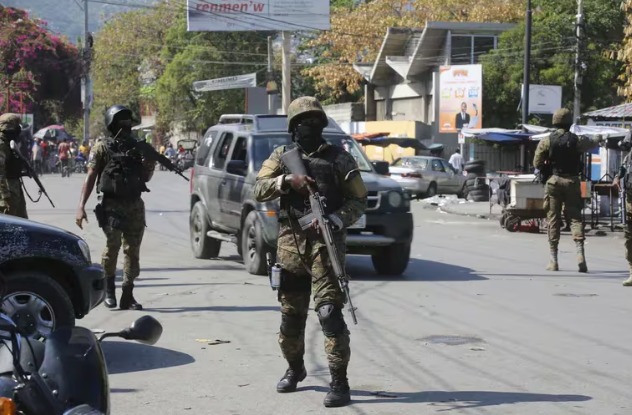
(553, 59)
(127, 59)
(197, 56)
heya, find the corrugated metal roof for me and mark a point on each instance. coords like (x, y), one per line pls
(618, 111)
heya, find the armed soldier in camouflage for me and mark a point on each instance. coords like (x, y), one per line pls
(563, 151)
(303, 254)
(12, 200)
(625, 173)
(121, 172)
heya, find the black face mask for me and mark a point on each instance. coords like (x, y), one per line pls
(125, 127)
(308, 135)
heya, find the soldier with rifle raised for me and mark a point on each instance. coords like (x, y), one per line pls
(322, 193)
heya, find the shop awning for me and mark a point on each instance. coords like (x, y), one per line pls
(382, 140)
(505, 138)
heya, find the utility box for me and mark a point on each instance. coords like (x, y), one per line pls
(527, 194)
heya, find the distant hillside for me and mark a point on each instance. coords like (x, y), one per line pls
(66, 17)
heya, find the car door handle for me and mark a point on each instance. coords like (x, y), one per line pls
(223, 183)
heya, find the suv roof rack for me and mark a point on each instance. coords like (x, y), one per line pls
(267, 122)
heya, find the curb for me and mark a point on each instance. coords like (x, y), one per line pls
(492, 216)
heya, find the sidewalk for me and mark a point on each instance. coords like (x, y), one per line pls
(453, 205)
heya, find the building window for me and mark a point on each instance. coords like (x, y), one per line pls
(482, 45)
(467, 49)
(461, 53)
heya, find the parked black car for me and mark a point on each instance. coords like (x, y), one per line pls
(47, 276)
(223, 206)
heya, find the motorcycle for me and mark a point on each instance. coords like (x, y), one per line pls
(66, 374)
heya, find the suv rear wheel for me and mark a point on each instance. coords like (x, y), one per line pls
(203, 246)
(391, 260)
(253, 247)
(37, 304)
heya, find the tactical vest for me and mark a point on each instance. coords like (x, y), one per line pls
(123, 176)
(565, 157)
(320, 167)
(14, 166)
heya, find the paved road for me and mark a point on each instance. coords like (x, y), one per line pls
(476, 326)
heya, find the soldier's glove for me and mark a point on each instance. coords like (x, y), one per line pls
(335, 222)
(299, 183)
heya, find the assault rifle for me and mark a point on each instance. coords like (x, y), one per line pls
(32, 174)
(151, 154)
(294, 163)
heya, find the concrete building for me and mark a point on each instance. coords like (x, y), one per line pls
(402, 84)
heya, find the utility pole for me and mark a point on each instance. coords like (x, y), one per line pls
(525, 81)
(286, 88)
(270, 56)
(85, 81)
(578, 63)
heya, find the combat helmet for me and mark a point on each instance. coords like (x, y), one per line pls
(10, 122)
(562, 117)
(301, 107)
(112, 112)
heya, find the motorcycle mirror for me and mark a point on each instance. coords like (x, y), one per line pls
(145, 330)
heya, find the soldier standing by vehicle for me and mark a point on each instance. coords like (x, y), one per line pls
(303, 254)
(562, 152)
(121, 172)
(12, 200)
(625, 172)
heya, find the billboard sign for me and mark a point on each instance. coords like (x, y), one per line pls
(252, 15)
(460, 97)
(544, 99)
(229, 82)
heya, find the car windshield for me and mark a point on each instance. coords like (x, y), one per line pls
(416, 163)
(264, 145)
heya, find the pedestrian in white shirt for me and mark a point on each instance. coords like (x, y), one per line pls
(456, 160)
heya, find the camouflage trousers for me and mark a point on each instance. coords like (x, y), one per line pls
(628, 228)
(563, 192)
(297, 288)
(16, 203)
(128, 232)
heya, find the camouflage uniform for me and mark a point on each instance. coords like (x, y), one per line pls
(563, 191)
(294, 244)
(303, 254)
(131, 233)
(626, 168)
(12, 200)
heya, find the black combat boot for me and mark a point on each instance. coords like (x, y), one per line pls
(338, 394)
(293, 375)
(127, 299)
(110, 294)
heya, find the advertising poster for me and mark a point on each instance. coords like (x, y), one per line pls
(460, 97)
(248, 15)
(229, 82)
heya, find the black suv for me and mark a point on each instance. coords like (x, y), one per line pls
(223, 207)
(48, 276)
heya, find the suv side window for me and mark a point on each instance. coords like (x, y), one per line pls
(202, 154)
(240, 151)
(221, 151)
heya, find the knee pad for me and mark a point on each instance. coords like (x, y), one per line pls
(292, 325)
(331, 320)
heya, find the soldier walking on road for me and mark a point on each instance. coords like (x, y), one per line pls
(303, 254)
(12, 200)
(121, 172)
(625, 172)
(563, 152)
